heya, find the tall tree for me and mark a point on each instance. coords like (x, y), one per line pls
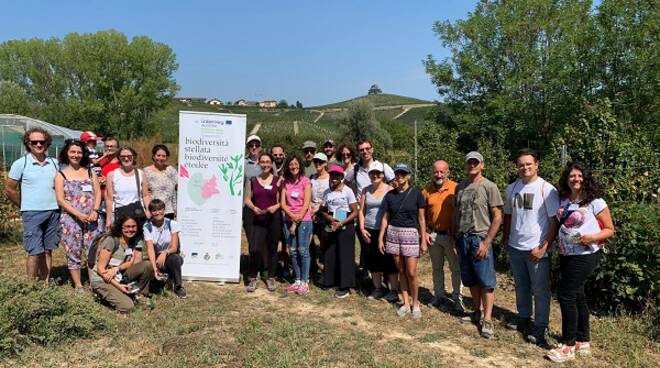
(359, 123)
(99, 81)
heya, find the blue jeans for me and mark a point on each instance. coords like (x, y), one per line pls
(532, 280)
(475, 271)
(299, 248)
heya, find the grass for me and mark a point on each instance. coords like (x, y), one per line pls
(383, 99)
(223, 326)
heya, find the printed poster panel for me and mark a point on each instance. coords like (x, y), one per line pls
(210, 194)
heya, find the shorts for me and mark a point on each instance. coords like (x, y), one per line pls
(475, 271)
(402, 241)
(41, 231)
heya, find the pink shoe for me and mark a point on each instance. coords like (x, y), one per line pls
(561, 353)
(293, 288)
(303, 290)
(583, 348)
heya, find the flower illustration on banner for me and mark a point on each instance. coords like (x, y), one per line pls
(232, 173)
(200, 189)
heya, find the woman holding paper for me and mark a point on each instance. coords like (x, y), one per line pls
(295, 199)
(339, 209)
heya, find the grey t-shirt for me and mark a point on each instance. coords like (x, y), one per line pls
(473, 204)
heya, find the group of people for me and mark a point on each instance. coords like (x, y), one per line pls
(122, 215)
(316, 205)
(319, 203)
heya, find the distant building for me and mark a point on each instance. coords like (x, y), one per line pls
(190, 99)
(214, 102)
(243, 102)
(267, 104)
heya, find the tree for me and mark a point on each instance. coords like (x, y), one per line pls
(299, 105)
(374, 90)
(282, 104)
(14, 99)
(359, 123)
(99, 81)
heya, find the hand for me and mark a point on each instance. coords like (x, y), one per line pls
(336, 225)
(538, 252)
(101, 180)
(160, 261)
(84, 218)
(427, 238)
(272, 209)
(482, 252)
(366, 235)
(258, 211)
(93, 216)
(586, 240)
(147, 214)
(423, 246)
(123, 288)
(109, 274)
(381, 246)
(108, 226)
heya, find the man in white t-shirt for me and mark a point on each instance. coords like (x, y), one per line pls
(530, 227)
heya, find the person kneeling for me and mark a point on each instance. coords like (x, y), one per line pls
(118, 271)
(162, 238)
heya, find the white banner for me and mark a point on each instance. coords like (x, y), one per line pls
(210, 194)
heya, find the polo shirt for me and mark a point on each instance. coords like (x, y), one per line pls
(251, 169)
(37, 182)
(440, 206)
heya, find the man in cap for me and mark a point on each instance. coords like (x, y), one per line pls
(439, 196)
(252, 168)
(329, 148)
(309, 149)
(477, 219)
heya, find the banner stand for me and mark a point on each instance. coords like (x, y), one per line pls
(210, 194)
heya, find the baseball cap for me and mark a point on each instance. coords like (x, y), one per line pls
(321, 156)
(376, 166)
(474, 155)
(309, 144)
(89, 136)
(329, 141)
(402, 167)
(253, 137)
(337, 169)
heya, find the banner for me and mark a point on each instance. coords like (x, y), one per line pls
(210, 194)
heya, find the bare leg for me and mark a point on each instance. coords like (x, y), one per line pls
(411, 279)
(487, 300)
(394, 281)
(32, 268)
(476, 297)
(75, 278)
(401, 266)
(47, 265)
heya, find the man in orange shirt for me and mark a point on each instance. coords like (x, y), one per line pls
(439, 196)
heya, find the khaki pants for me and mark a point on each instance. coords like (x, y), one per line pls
(442, 248)
(141, 272)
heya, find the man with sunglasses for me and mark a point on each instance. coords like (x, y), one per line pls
(277, 151)
(252, 168)
(34, 173)
(309, 149)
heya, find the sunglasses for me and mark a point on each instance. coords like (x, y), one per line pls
(318, 162)
(34, 143)
(126, 157)
(310, 152)
(254, 145)
(346, 154)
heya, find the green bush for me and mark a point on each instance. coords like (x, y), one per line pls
(34, 314)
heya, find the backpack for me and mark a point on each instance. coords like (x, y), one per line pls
(94, 250)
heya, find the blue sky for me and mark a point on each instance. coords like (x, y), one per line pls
(314, 51)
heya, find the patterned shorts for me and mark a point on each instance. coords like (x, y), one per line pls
(402, 241)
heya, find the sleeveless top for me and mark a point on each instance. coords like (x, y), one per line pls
(162, 185)
(264, 197)
(373, 213)
(126, 191)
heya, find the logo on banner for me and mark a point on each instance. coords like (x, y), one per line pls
(232, 174)
(200, 189)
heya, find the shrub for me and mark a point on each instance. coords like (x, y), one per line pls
(32, 313)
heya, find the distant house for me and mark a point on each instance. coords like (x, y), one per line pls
(267, 104)
(190, 99)
(243, 102)
(214, 102)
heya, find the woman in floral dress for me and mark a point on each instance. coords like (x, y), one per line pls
(162, 179)
(79, 195)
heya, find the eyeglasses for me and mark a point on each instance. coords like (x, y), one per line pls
(129, 227)
(126, 157)
(318, 162)
(365, 149)
(34, 143)
(254, 145)
(346, 154)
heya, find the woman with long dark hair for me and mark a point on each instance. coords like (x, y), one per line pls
(79, 195)
(162, 179)
(585, 223)
(119, 270)
(262, 197)
(295, 199)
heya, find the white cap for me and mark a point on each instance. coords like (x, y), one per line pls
(253, 137)
(376, 166)
(321, 156)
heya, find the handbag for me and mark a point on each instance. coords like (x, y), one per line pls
(134, 209)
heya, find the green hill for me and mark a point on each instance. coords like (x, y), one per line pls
(382, 99)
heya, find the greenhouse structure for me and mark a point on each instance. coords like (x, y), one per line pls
(12, 128)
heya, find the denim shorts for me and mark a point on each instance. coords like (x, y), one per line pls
(41, 231)
(475, 271)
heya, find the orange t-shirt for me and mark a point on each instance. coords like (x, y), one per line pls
(440, 206)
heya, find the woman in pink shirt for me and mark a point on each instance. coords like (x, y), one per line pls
(295, 198)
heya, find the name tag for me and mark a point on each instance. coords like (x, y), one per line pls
(129, 251)
(270, 187)
(294, 194)
(87, 188)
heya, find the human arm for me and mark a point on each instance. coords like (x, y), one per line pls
(506, 231)
(496, 222)
(307, 200)
(248, 199)
(146, 195)
(421, 217)
(383, 228)
(283, 204)
(605, 233)
(272, 209)
(109, 201)
(11, 191)
(108, 273)
(539, 252)
(363, 230)
(66, 206)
